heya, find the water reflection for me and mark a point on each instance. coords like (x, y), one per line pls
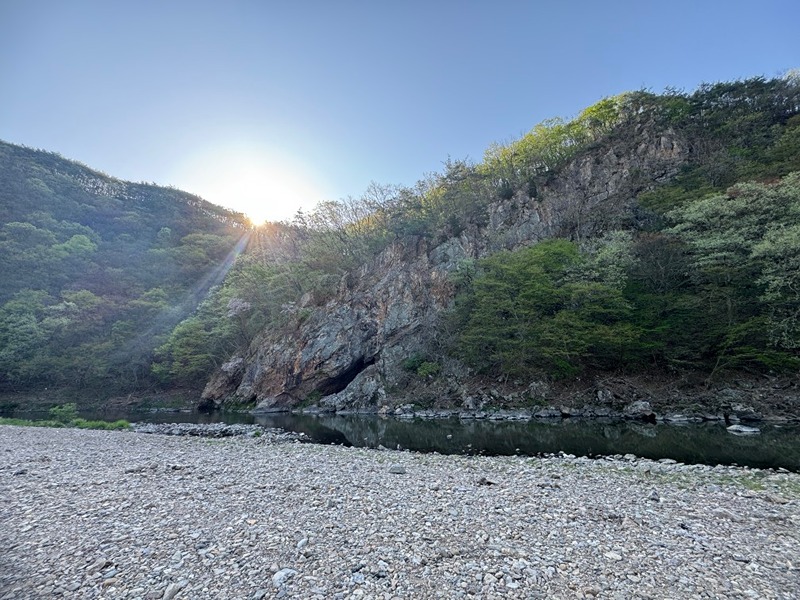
(706, 443)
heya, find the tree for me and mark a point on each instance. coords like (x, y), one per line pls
(744, 247)
(544, 310)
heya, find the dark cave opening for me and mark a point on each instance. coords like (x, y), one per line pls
(336, 384)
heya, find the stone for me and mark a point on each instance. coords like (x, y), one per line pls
(548, 413)
(745, 412)
(172, 590)
(282, 576)
(640, 409)
(397, 469)
(258, 501)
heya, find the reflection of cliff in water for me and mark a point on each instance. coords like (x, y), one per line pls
(707, 443)
(315, 428)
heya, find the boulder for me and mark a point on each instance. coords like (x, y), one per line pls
(640, 410)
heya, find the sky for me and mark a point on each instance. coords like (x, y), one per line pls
(269, 106)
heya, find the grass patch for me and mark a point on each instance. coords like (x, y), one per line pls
(119, 425)
(66, 416)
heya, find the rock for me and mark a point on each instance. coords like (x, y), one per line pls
(548, 413)
(211, 430)
(172, 590)
(739, 429)
(677, 418)
(724, 513)
(640, 409)
(654, 496)
(397, 469)
(569, 412)
(401, 538)
(777, 499)
(282, 576)
(604, 396)
(745, 412)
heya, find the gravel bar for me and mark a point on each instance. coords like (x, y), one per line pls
(100, 514)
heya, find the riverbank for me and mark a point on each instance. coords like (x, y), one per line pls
(95, 514)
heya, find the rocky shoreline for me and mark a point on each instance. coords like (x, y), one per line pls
(637, 411)
(95, 514)
(218, 430)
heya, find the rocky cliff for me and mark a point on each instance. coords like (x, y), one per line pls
(349, 353)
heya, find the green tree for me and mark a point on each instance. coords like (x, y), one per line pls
(529, 312)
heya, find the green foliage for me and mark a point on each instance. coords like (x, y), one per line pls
(741, 130)
(420, 365)
(429, 369)
(745, 250)
(619, 300)
(544, 309)
(413, 362)
(64, 413)
(97, 271)
(119, 425)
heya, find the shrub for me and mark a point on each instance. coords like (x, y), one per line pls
(64, 413)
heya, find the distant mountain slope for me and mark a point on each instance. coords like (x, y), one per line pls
(95, 271)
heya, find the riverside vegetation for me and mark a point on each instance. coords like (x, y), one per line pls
(652, 233)
(67, 416)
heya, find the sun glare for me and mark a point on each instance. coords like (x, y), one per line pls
(253, 180)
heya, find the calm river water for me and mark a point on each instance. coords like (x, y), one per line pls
(707, 443)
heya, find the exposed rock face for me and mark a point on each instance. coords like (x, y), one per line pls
(349, 353)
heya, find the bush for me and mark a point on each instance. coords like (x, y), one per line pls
(413, 362)
(64, 413)
(428, 369)
(121, 424)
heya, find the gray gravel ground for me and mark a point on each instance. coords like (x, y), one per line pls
(93, 514)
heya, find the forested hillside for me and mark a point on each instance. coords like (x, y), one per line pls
(654, 233)
(96, 271)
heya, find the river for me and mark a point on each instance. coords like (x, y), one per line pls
(706, 443)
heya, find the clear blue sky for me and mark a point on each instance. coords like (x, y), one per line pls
(285, 103)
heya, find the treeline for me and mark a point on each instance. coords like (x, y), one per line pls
(664, 291)
(96, 271)
(707, 280)
(716, 290)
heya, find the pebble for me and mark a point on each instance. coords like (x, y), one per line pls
(241, 517)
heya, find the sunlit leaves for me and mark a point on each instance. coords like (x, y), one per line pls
(746, 244)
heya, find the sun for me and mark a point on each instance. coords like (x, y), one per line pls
(260, 182)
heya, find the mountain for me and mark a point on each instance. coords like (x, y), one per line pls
(646, 250)
(654, 237)
(97, 271)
